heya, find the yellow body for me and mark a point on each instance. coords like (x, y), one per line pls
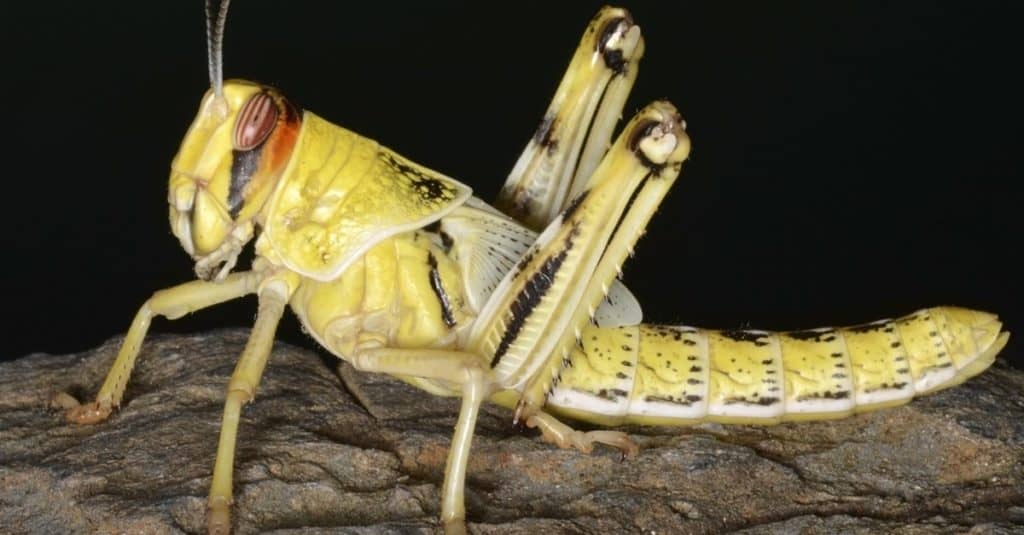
(348, 215)
(398, 269)
(340, 218)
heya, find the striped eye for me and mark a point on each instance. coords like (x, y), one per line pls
(255, 121)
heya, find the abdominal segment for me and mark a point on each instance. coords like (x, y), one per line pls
(677, 375)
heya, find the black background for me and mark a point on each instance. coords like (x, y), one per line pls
(851, 161)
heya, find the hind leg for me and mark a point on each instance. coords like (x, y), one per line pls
(578, 124)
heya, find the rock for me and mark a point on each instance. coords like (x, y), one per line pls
(365, 454)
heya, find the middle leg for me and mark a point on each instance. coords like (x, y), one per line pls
(465, 369)
(273, 297)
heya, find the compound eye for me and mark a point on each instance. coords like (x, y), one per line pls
(255, 121)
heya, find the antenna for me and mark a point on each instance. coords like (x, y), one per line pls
(215, 44)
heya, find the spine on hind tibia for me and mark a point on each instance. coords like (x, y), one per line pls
(660, 374)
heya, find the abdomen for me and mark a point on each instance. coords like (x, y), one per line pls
(682, 375)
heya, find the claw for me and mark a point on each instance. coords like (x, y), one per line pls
(218, 519)
(456, 526)
(566, 437)
(519, 415)
(89, 413)
(63, 401)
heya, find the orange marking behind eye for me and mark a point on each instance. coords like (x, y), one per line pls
(278, 147)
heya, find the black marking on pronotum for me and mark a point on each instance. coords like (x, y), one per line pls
(757, 338)
(429, 188)
(612, 58)
(530, 296)
(641, 131)
(442, 297)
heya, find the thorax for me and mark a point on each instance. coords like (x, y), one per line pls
(404, 292)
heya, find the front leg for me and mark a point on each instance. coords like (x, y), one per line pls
(465, 369)
(171, 303)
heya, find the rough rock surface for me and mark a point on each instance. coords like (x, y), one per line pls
(365, 454)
